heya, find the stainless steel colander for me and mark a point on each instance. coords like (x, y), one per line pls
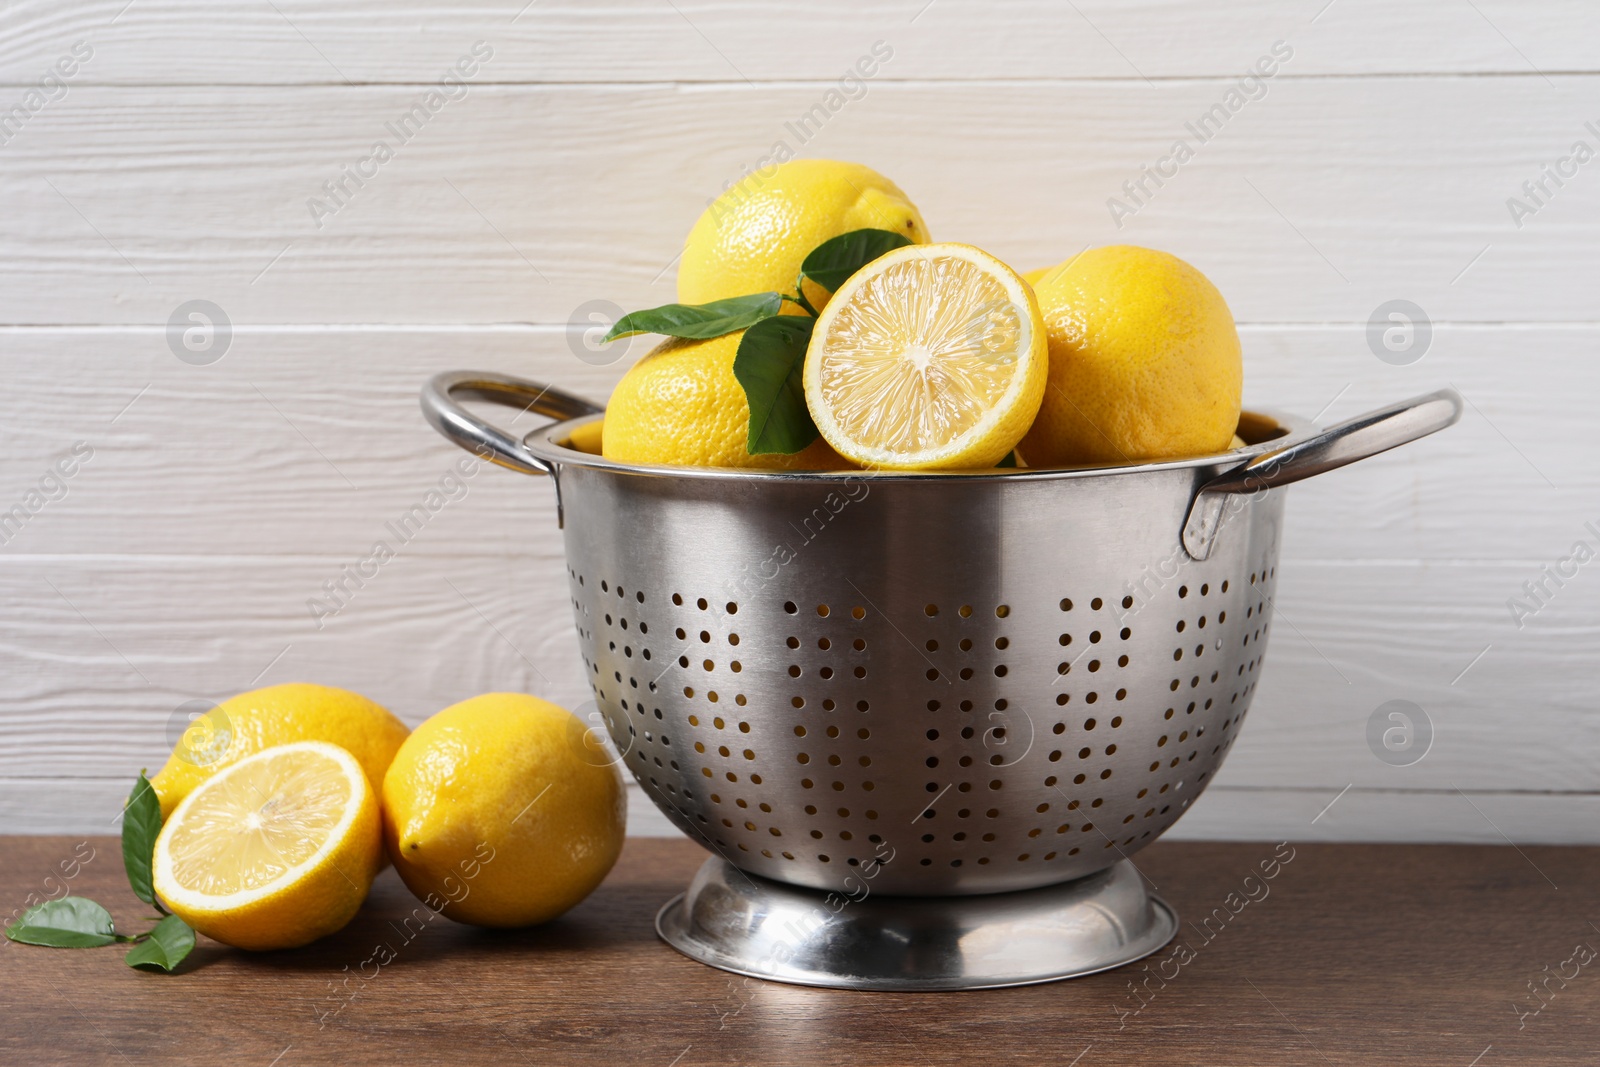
(953, 684)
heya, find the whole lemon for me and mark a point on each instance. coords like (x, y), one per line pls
(277, 715)
(681, 405)
(501, 811)
(753, 238)
(1145, 362)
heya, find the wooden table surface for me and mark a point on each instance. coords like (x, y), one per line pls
(1358, 954)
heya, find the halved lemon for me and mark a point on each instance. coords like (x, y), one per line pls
(275, 851)
(932, 357)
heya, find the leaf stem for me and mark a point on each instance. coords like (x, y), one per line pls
(799, 297)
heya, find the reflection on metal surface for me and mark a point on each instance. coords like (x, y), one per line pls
(954, 704)
(765, 929)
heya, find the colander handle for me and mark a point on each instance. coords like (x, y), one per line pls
(444, 414)
(1357, 438)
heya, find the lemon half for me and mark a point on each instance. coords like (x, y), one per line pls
(274, 851)
(932, 357)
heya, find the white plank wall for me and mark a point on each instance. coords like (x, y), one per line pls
(177, 160)
(1318, 202)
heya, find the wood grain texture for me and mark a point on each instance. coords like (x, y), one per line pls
(296, 42)
(1314, 204)
(1448, 938)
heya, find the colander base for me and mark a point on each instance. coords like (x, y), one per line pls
(858, 939)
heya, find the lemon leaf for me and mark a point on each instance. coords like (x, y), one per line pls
(769, 365)
(834, 260)
(163, 947)
(699, 321)
(141, 822)
(66, 922)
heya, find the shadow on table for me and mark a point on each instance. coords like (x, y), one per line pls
(395, 929)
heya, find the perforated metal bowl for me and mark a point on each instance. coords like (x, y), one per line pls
(999, 680)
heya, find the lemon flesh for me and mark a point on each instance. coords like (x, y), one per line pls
(932, 357)
(274, 851)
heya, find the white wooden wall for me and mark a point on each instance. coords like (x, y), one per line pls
(177, 161)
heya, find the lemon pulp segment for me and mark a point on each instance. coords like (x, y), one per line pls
(268, 818)
(929, 360)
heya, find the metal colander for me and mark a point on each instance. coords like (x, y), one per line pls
(1000, 680)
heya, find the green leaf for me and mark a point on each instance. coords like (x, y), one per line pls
(833, 261)
(69, 922)
(164, 947)
(769, 364)
(699, 321)
(1009, 460)
(141, 822)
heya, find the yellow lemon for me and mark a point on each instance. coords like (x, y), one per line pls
(1144, 361)
(503, 811)
(250, 722)
(587, 438)
(275, 850)
(930, 357)
(681, 405)
(753, 238)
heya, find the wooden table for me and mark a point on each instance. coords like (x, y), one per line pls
(1359, 954)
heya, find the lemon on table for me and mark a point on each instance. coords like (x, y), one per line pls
(502, 811)
(681, 405)
(250, 722)
(753, 238)
(930, 357)
(1145, 362)
(274, 851)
